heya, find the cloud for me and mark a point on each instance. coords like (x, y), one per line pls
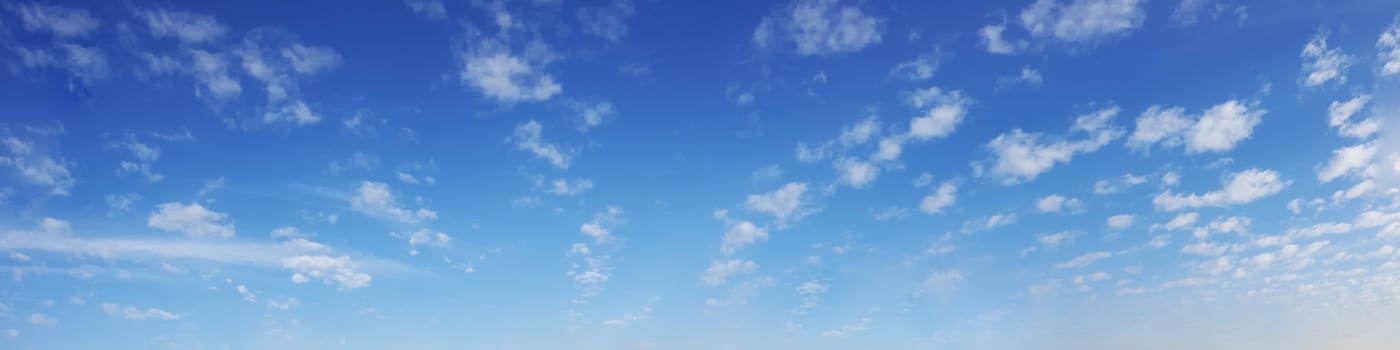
(1111, 186)
(606, 22)
(332, 270)
(719, 271)
(191, 219)
(1218, 129)
(375, 199)
(1322, 64)
(121, 203)
(38, 168)
(61, 21)
(561, 187)
(1083, 260)
(860, 132)
(424, 237)
(1119, 222)
(136, 314)
(1020, 157)
(600, 228)
(1181, 221)
(786, 203)
(920, 68)
(942, 198)
(431, 9)
(1346, 160)
(1055, 240)
(492, 68)
(42, 320)
(817, 27)
(1389, 46)
(1055, 203)
(856, 173)
(992, 40)
(210, 70)
(740, 234)
(189, 28)
(592, 115)
(946, 111)
(1239, 188)
(528, 138)
(1339, 115)
(278, 61)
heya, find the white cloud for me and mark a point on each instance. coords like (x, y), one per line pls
(1055, 240)
(121, 203)
(492, 68)
(1111, 186)
(856, 173)
(942, 198)
(278, 61)
(42, 320)
(191, 219)
(786, 203)
(1346, 160)
(189, 28)
(1181, 221)
(1339, 116)
(136, 314)
(599, 229)
(375, 199)
(431, 9)
(561, 187)
(61, 21)
(1055, 203)
(527, 138)
(1188, 12)
(818, 27)
(1021, 157)
(606, 22)
(341, 270)
(1082, 21)
(37, 168)
(1119, 222)
(1389, 47)
(860, 132)
(740, 234)
(310, 59)
(992, 40)
(1083, 260)
(1218, 129)
(942, 281)
(719, 271)
(1239, 188)
(1322, 64)
(920, 68)
(425, 237)
(211, 71)
(1029, 76)
(591, 115)
(946, 110)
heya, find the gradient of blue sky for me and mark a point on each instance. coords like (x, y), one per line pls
(805, 174)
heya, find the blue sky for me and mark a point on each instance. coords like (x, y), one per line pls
(807, 174)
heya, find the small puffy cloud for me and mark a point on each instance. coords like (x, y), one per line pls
(1110, 186)
(37, 168)
(42, 320)
(591, 115)
(1055, 203)
(1218, 129)
(1347, 160)
(1020, 157)
(341, 271)
(191, 219)
(860, 132)
(1119, 222)
(856, 173)
(527, 138)
(600, 228)
(719, 271)
(121, 203)
(1339, 115)
(1181, 221)
(786, 203)
(1239, 188)
(431, 9)
(562, 187)
(425, 237)
(189, 28)
(946, 109)
(1389, 47)
(310, 59)
(818, 27)
(740, 234)
(137, 314)
(1322, 64)
(942, 198)
(375, 199)
(59, 20)
(1083, 260)
(606, 22)
(1055, 240)
(992, 39)
(920, 68)
(492, 68)
(210, 70)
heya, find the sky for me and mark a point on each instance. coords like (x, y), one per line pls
(651, 174)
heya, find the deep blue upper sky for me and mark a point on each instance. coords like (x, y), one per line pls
(805, 174)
